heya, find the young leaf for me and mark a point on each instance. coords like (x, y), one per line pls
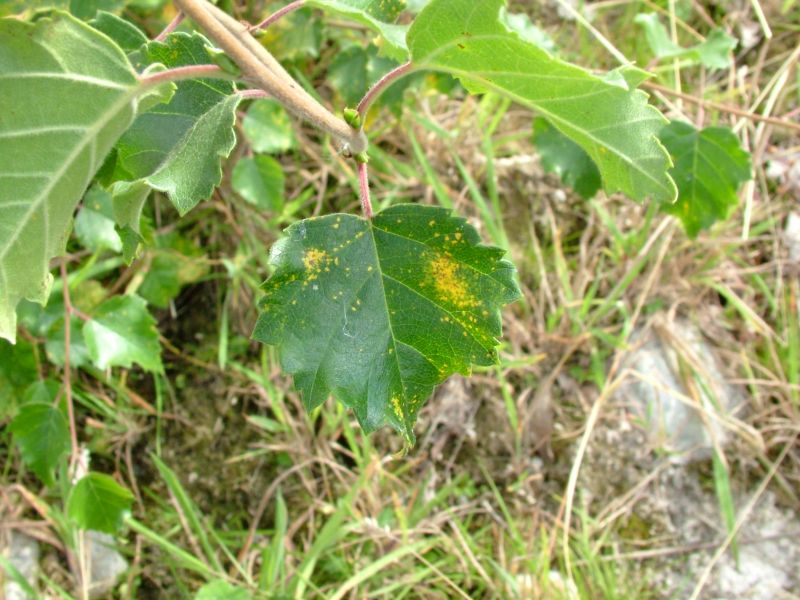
(260, 181)
(522, 25)
(86, 9)
(564, 157)
(380, 312)
(222, 590)
(122, 332)
(378, 15)
(84, 93)
(613, 124)
(348, 74)
(123, 32)
(710, 165)
(177, 147)
(713, 53)
(268, 127)
(98, 502)
(177, 262)
(94, 225)
(42, 434)
(17, 372)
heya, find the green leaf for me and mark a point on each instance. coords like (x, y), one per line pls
(123, 32)
(713, 53)
(710, 166)
(564, 157)
(122, 332)
(177, 147)
(295, 37)
(521, 24)
(378, 15)
(348, 74)
(379, 312)
(614, 125)
(260, 181)
(175, 263)
(17, 371)
(222, 590)
(94, 225)
(268, 127)
(42, 434)
(84, 93)
(98, 502)
(87, 9)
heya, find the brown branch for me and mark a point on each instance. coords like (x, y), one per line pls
(73, 430)
(260, 68)
(722, 107)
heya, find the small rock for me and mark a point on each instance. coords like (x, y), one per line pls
(23, 554)
(658, 396)
(105, 563)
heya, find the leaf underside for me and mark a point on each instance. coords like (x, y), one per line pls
(710, 166)
(612, 123)
(379, 312)
(66, 94)
(177, 147)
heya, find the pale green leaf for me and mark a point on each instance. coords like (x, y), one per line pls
(348, 74)
(17, 372)
(562, 156)
(268, 128)
(94, 225)
(713, 53)
(42, 435)
(521, 24)
(296, 36)
(128, 200)
(87, 9)
(123, 32)
(175, 263)
(85, 97)
(710, 166)
(121, 332)
(379, 312)
(177, 147)
(222, 590)
(260, 181)
(615, 126)
(99, 503)
(378, 15)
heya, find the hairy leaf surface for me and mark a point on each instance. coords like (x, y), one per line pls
(177, 147)
(379, 312)
(66, 94)
(710, 165)
(611, 122)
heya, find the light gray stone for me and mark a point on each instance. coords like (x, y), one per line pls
(656, 392)
(106, 564)
(23, 554)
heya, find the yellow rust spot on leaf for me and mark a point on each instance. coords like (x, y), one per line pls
(398, 410)
(450, 284)
(315, 261)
